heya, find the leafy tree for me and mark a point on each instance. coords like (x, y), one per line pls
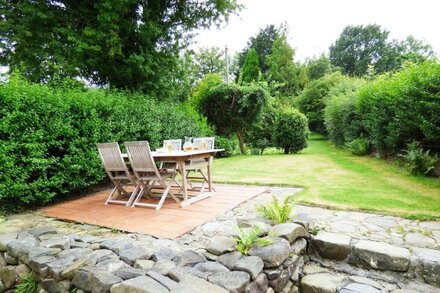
(250, 70)
(201, 91)
(283, 72)
(415, 51)
(260, 134)
(318, 67)
(262, 43)
(312, 100)
(290, 130)
(131, 44)
(210, 60)
(231, 108)
(359, 46)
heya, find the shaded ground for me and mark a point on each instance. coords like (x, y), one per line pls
(335, 178)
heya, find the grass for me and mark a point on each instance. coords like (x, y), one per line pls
(335, 178)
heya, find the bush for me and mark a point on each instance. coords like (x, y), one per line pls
(403, 107)
(260, 135)
(311, 101)
(48, 136)
(341, 116)
(418, 161)
(358, 146)
(290, 131)
(229, 144)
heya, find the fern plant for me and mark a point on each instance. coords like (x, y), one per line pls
(276, 212)
(250, 236)
(27, 285)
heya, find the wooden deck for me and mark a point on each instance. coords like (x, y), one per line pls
(170, 221)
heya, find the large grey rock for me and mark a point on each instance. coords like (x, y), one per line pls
(299, 246)
(225, 228)
(53, 286)
(359, 288)
(5, 239)
(21, 248)
(188, 258)
(116, 245)
(8, 276)
(144, 264)
(219, 245)
(288, 231)
(2, 260)
(129, 273)
(273, 254)
(65, 259)
(418, 239)
(38, 252)
(250, 264)
(165, 281)
(210, 267)
(229, 259)
(165, 254)
(259, 285)
(94, 279)
(321, 283)
(179, 273)
(163, 267)
(100, 255)
(111, 265)
(231, 281)
(332, 245)
(87, 239)
(61, 243)
(192, 284)
(428, 264)
(382, 256)
(39, 264)
(141, 284)
(134, 253)
(42, 230)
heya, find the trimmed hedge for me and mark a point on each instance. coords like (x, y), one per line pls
(48, 136)
(291, 132)
(403, 107)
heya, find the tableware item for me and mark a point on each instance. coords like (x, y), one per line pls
(203, 145)
(169, 147)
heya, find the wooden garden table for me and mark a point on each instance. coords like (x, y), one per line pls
(180, 157)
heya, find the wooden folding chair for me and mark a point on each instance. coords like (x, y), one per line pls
(198, 165)
(146, 172)
(117, 170)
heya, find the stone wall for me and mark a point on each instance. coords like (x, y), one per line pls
(61, 263)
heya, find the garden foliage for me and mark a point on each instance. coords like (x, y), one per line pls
(290, 131)
(48, 136)
(401, 108)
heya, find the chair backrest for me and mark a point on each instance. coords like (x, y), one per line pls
(112, 158)
(209, 141)
(140, 157)
(176, 144)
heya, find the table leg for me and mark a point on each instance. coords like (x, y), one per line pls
(210, 174)
(182, 169)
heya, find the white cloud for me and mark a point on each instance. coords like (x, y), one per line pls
(315, 24)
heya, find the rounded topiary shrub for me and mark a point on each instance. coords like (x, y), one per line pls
(291, 131)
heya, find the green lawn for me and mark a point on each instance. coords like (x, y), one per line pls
(334, 178)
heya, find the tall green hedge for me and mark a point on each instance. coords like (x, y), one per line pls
(403, 107)
(48, 136)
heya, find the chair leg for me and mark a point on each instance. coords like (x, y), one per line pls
(164, 195)
(133, 195)
(109, 198)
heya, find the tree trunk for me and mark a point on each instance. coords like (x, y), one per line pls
(286, 150)
(240, 136)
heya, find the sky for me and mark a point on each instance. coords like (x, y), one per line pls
(315, 24)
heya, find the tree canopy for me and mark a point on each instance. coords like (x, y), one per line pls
(250, 71)
(131, 44)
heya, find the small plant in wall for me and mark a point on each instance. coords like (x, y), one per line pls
(248, 236)
(277, 212)
(27, 285)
